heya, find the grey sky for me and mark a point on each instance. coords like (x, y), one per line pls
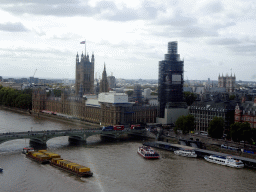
(130, 37)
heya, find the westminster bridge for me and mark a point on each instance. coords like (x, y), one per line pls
(42, 137)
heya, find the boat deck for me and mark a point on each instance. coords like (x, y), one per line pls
(200, 152)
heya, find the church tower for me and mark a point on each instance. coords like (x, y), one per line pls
(104, 87)
(84, 75)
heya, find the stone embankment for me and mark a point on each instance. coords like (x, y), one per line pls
(213, 144)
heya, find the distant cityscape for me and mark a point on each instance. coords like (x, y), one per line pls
(110, 100)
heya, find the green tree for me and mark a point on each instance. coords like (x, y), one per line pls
(216, 127)
(235, 132)
(129, 93)
(241, 132)
(57, 92)
(15, 98)
(185, 124)
(189, 97)
(24, 101)
(232, 97)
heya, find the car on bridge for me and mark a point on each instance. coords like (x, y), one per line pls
(137, 127)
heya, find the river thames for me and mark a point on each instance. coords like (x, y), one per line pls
(116, 166)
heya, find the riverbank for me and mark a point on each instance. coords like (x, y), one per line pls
(83, 124)
(211, 144)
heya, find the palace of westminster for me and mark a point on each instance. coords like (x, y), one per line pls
(99, 105)
(105, 107)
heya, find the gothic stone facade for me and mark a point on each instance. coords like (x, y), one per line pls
(106, 113)
(228, 82)
(84, 75)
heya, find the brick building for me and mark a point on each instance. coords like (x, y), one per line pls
(246, 112)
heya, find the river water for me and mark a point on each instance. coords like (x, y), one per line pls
(116, 166)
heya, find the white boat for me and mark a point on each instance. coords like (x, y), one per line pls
(227, 161)
(185, 153)
(148, 152)
(27, 149)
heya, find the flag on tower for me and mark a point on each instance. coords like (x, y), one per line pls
(82, 42)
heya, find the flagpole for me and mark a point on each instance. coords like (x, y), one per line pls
(85, 48)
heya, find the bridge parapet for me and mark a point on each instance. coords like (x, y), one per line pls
(79, 134)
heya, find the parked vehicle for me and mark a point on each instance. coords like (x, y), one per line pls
(118, 127)
(108, 128)
(137, 127)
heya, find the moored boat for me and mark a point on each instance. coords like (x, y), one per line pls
(185, 153)
(27, 149)
(225, 160)
(148, 152)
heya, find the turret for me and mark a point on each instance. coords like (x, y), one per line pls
(77, 58)
(82, 55)
(92, 60)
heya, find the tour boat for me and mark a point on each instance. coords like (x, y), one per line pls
(185, 153)
(27, 149)
(148, 153)
(222, 160)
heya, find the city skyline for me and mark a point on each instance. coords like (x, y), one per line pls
(215, 37)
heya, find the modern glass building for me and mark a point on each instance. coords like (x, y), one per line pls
(170, 80)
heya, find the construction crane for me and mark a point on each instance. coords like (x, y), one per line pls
(34, 73)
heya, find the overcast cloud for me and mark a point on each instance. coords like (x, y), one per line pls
(130, 37)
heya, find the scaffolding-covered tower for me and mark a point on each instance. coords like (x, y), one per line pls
(137, 94)
(170, 80)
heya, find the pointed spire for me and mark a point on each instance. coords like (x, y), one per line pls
(82, 54)
(92, 59)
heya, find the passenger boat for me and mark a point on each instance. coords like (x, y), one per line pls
(227, 161)
(27, 149)
(148, 152)
(71, 167)
(185, 153)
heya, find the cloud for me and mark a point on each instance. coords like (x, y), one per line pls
(13, 27)
(186, 32)
(21, 52)
(178, 19)
(213, 7)
(244, 49)
(224, 41)
(102, 10)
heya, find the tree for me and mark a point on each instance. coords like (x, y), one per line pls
(185, 124)
(189, 97)
(232, 97)
(235, 131)
(57, 92)
(129, 93)
(216, 127)
(24, 101)
(241, 132)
